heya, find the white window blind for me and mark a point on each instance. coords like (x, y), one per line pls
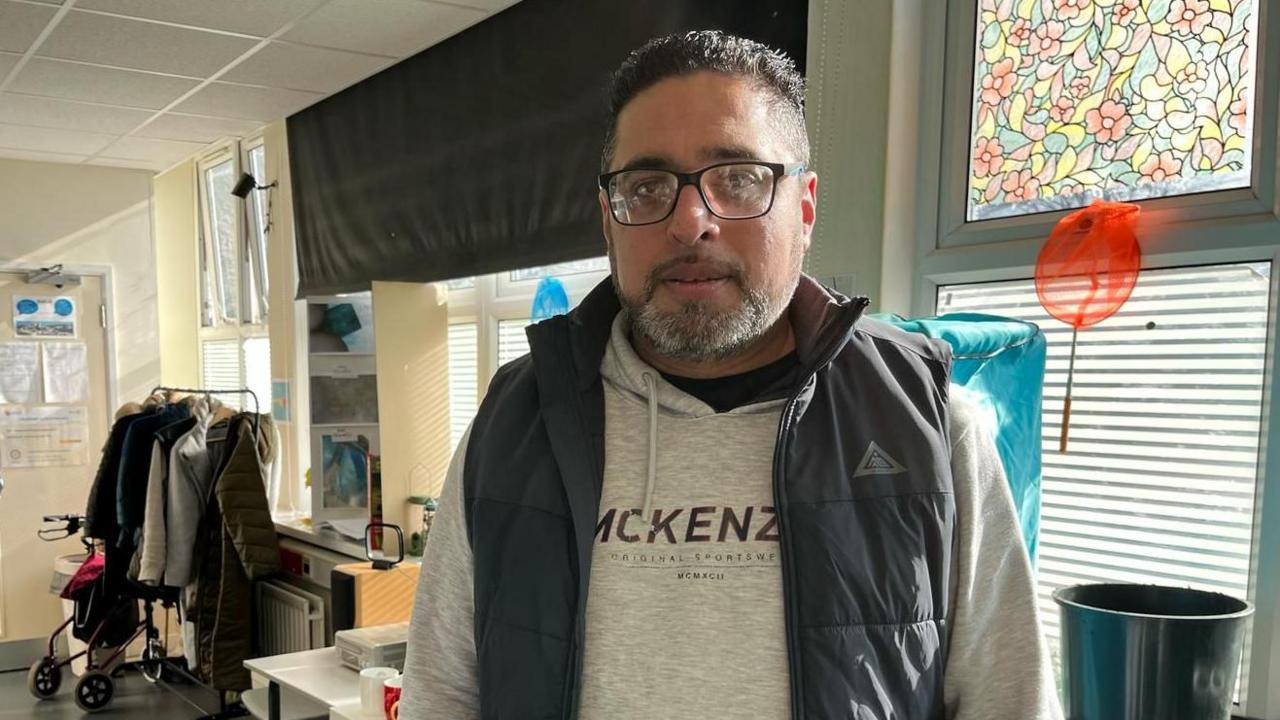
(1158, 482)
(257, 371)
(512, 342)
(220, 361)
(463, 371)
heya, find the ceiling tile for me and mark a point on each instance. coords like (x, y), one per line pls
(387, 27)
(151, 149)
(252, 17)
(7, 61)
(142, 45)
(41, 156)
(247, 103)
(153, 165)
(54, 141)
(21, 23)
(192, 128)
(73, 81)
(67, 115)
(304, 68)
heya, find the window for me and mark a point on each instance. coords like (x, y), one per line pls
(575, 267)
(234, 348)
(463, 374)
(258, 209)
(1074, 100)
(220, 365)
(257, 370)
(1034, 107)
(488, 315)
(1159, 479)
(221, 241)
(232, 364)
(512, 342)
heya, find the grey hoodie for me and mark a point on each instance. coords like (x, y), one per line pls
(685, 616)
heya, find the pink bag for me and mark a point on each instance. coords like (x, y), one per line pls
(90, 570)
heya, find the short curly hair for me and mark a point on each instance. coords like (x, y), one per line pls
(711, 50)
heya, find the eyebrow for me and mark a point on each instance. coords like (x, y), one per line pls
(729, 152)
(712, 154)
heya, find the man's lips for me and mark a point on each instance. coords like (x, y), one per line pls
(696, 272)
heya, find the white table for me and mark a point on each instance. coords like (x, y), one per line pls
(318, 676)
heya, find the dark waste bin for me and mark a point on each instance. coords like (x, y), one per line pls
(1145, 652)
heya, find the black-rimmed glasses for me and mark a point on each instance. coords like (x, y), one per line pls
(731, 190)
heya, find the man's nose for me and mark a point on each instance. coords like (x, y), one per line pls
(691, 221)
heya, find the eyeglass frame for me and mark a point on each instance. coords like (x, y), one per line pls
(780, 171)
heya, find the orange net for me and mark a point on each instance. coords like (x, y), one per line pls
(1089, 265)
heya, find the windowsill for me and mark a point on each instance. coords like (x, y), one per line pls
(326, 538)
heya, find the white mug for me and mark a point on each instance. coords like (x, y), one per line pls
(371, 680)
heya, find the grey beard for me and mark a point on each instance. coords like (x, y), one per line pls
(698, 333)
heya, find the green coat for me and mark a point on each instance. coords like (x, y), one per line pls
(236, 545)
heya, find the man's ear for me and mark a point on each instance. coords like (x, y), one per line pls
(808, 206)
(606, 227)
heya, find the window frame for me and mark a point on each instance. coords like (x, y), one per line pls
(251, 244)
(207, 238)
(576, 284)
(1244, 225)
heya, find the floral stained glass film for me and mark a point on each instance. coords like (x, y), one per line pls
(1121, 99)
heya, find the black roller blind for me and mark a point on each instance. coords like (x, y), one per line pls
(480, 154)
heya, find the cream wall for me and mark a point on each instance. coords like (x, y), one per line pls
(847, 111)
(862, 108)
(177, 291)
(411, 322)
(88, 215)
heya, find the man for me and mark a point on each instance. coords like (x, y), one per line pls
(714, 490)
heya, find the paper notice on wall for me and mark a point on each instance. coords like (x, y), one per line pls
(44, 437)
(19, 372)
(280, 400)
(46, 317)
(66, 372)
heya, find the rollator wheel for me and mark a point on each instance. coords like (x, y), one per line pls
(151, 666)
(44, 678)
(94, 691)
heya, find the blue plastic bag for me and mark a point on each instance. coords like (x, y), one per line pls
(549, 300)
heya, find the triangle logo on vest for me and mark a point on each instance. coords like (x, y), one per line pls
(878, 462)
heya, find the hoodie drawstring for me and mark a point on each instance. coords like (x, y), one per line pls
(651, 386)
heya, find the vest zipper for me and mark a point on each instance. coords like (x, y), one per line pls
(572, 673)
(788, 567)
(790, 587)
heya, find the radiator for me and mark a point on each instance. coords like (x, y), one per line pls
(289, 619)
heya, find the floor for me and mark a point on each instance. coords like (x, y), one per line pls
(134, 698)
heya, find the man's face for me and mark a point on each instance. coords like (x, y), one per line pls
(699, 287)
